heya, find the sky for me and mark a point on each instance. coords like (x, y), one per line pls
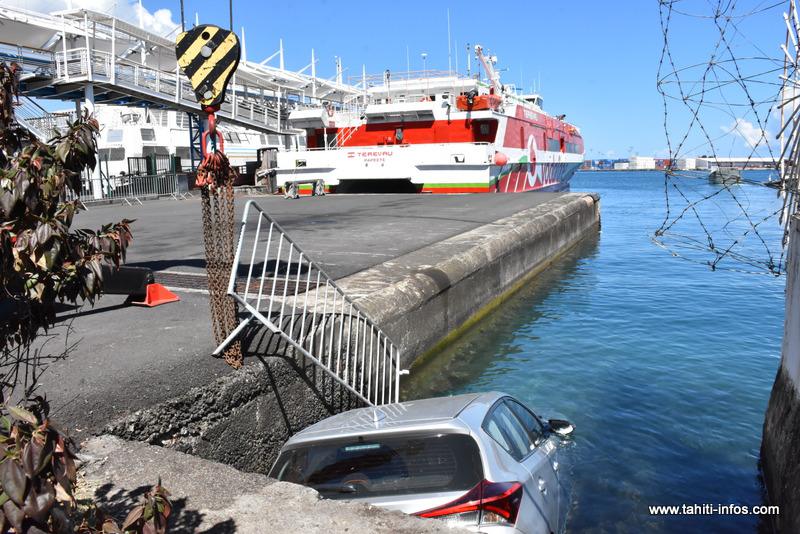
(598, 62)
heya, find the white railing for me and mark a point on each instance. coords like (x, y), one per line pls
(168, 86)
(33, 61)
(344, 135)
(38, 120)
(294, 298)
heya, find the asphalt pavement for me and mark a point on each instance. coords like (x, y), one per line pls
(128, 358)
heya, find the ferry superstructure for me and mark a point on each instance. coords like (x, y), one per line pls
(437, 133)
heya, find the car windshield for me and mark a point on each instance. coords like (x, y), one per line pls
(374, 466)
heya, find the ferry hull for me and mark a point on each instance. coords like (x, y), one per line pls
(460, 168)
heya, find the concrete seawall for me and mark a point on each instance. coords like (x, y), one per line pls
(427, 296)
(780, 448)
(422, 297)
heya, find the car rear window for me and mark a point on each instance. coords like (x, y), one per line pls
(384, 465)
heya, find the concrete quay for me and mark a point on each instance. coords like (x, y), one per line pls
(423, 267)
(209, 497)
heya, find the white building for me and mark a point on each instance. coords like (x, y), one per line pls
(686, 164)
(641, 163)
(738, 163)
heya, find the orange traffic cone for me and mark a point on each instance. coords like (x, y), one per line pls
(157, 295)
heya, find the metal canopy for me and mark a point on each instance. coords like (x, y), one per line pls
(63, 52)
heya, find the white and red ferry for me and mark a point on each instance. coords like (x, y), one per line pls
(434, 134)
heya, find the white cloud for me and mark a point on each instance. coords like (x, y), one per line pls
(751, 134)
(159, 21)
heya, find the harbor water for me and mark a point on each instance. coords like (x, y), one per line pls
(664, 365)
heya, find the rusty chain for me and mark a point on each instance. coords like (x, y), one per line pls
(215, 177)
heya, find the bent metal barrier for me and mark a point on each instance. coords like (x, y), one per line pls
(294, 298)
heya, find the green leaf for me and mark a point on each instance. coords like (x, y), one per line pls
(62, 151)
(21, 414)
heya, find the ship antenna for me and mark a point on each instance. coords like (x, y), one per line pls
(455, 47)
(449, 47)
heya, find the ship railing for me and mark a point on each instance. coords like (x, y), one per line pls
(383, 147)
(130, 188)
(344, 135)
(294, 298)
(403, 75)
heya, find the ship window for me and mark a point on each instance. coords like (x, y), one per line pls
(274, 139)
(157, 150)
(148, 134)
(114, 136)
(183, 152)
(484, 129)
(553, 145)
(112, 154)
(262, 139)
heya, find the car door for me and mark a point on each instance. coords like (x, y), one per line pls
(508, 430)
(543, 461)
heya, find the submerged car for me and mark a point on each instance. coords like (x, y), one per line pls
(481, 461)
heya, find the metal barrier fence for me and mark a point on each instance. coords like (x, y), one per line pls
(132, 188)
(294, 298)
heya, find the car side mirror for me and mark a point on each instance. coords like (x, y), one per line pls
(562, 427)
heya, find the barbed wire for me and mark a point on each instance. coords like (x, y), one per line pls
(737, 81)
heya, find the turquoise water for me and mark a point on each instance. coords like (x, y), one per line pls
(665, 366)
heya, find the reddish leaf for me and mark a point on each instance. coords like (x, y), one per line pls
(133, 516)
(40, 501)
(14, 515)
(13, 479)
(31, 457)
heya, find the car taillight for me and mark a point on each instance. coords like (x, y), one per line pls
(487, 502)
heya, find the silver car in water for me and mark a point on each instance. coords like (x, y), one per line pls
(481, 461)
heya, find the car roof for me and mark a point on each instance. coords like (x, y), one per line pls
(402, 416)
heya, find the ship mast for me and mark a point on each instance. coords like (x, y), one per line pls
(488, 66)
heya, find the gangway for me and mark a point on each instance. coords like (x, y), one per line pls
(82, 54)
(293, 297)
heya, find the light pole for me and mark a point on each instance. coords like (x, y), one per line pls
(425, 70)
